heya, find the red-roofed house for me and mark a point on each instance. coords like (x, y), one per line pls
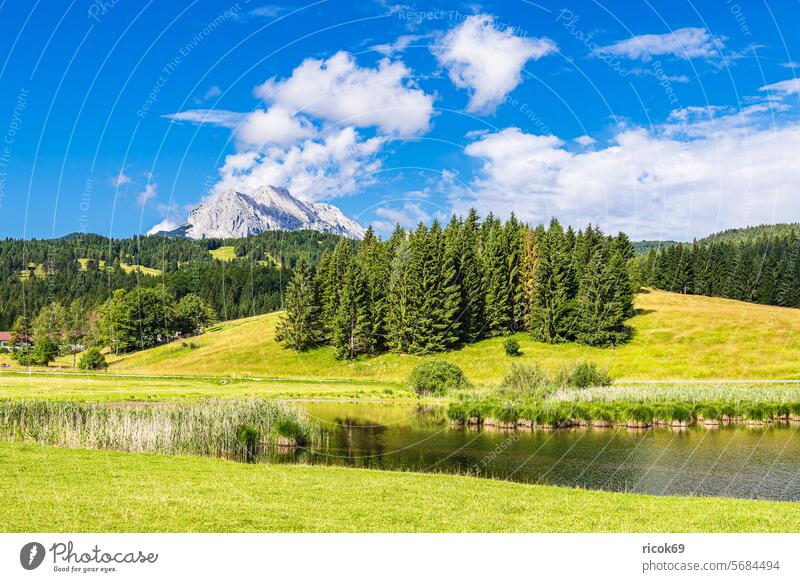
(5, 339)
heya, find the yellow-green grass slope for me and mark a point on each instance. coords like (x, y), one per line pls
(85, 387)
(50, 490)
(675, 337)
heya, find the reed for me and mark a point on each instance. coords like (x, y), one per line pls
(556, 412)
(213, 429)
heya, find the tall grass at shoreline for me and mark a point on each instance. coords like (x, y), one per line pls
(214, 429)
(689, 393)
(633, 406)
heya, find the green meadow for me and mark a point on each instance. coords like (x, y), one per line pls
(676, 337)
(47, 489)
(693, 344)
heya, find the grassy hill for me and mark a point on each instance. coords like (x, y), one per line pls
(676, 337)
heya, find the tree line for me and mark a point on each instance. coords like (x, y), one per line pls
(764, 268)
(87, 268)
(128, 320)
(436, 288)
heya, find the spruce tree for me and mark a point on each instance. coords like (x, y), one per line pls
(600, 312)
(300, 328)
(331, 278)
(513, 233)
(398, 302)
(352, 329)
(496, 278)
(552, 310)
(472, 295)
(429, 321)
(620, 255)
(450, 310)
(373, 259)
(529, 265)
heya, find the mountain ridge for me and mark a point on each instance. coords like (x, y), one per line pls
(235, 214)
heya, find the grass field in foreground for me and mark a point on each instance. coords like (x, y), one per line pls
(676, 337)
(50, 490)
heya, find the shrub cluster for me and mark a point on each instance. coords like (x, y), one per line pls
(92, 359)
(436, 377)
(532, 382)
(582, 375)
(511, 347)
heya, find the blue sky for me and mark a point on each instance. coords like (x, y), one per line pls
(669, 121)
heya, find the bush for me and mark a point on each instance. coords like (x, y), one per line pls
(92, 359)
(583, 375)
(528, 380)
(436, 377)
(4, 350)
(291, 428)
(511, 347)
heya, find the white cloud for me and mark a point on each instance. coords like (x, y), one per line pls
(585, 140)
(150, 191)
(273, 126)
(164, 225)
(684, 43)
(339, 91)
(120, 179)
(651, 185)
(213, 91)
(219, 117)
(316, 169)
(398, 46)
(783, 88)
(487, 60)
(276, 125)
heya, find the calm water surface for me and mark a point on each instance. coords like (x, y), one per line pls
(734, 461)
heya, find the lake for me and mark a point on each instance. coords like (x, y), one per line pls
(735, 461)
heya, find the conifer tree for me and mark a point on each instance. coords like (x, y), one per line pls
(428, 321)
(352, 331)
(300, 328)
(600, 316)
(513, 233)
(496, 279)
(373, 259)
(552, 317)
(450, 278)
(472, 294)
(619, 255)
(529, 264)
(330, 281)
(398, 302)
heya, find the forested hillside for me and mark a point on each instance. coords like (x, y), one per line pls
(85, 269)
(751, 233)
(759, 264)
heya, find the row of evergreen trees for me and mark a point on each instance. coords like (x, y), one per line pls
(764, 270)
(434, 288)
